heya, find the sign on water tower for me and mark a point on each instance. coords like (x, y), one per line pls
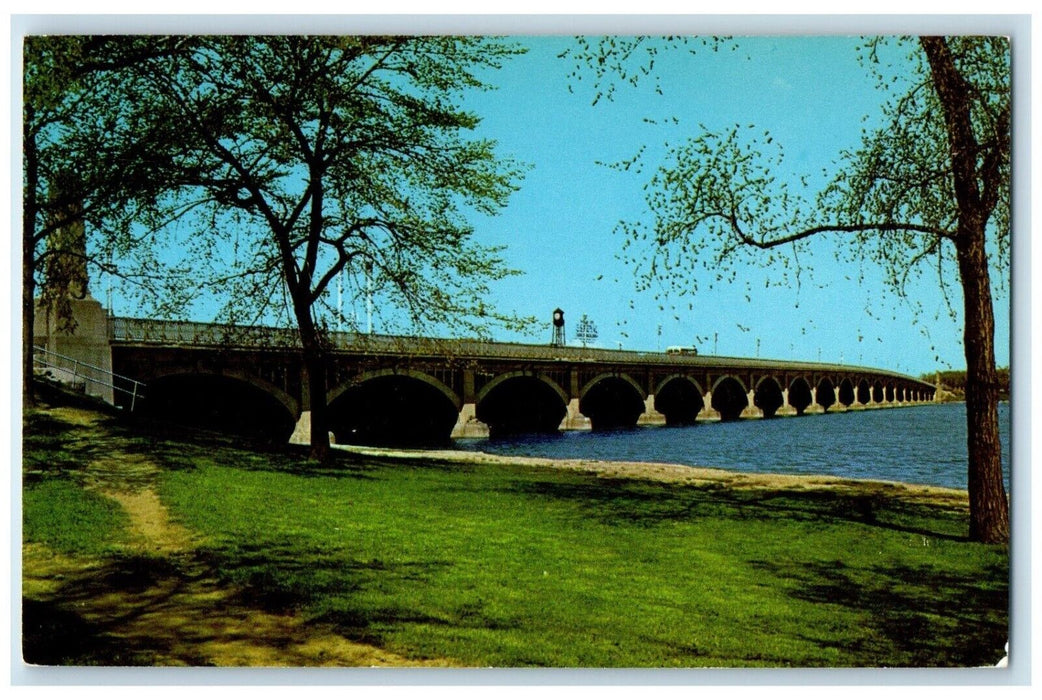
(586, 331)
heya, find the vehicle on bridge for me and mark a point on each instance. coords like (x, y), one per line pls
(681, 350)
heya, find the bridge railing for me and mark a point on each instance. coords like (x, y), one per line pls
(69, 370)
(191, 333)
(161, 332)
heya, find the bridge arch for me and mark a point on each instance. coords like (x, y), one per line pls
(435, 383)
(864, 392)
(826, 394)
(230, 401)
(800, 395)
(521, 402)
(679, 398)
(767, 396)
(507, 376)
(393, 407)
(877, 391)
(730, 397)
(846, 392)
(611, 401)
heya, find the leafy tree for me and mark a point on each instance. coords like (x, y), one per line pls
(308, 161)
(89, 160)
(929, 189)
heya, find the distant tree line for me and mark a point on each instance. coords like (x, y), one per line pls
(953, 382)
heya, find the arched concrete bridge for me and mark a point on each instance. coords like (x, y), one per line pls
(402, 389)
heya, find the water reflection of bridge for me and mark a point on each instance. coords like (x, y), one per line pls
(401, 389)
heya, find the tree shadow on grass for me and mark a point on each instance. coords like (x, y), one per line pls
(52, 447)
(54, 635)
(46, 428)
(648, 504)
(916, 616)
(175, 447)
(82, 623)
(177, 610)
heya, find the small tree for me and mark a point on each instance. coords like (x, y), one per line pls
(930, 187)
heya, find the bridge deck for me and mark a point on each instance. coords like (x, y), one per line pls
(133, 331)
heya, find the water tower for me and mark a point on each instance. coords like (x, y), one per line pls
(558, 332)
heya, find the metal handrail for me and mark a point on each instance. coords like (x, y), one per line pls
(193, 333)
(154, 331)
(39, 360)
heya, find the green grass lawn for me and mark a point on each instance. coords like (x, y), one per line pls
(70, 519)
(507, 566)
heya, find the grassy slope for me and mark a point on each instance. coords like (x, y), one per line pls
(507, 565)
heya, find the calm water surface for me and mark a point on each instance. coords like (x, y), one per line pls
(920, 445)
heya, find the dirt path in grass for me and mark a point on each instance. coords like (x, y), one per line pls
(158, 604)
(199, 620)
(150, 522)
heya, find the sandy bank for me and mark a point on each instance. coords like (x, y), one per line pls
(679, 473)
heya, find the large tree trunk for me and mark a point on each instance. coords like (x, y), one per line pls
(989, 509)
(315, 364)
(314, 353)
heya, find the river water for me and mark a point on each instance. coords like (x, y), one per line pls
(915, 444)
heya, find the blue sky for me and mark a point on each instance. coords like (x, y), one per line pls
(811, 93)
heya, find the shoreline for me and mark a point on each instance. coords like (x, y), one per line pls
(665, 472)
(673, 473)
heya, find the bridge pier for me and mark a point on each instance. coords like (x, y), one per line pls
(468, 425)
(708, 412)
(302, 431)
(574, 419)
(814, 406)
(650, 415)
(751, 410)
(786, 408)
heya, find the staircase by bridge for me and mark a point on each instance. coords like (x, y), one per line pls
(388, 389)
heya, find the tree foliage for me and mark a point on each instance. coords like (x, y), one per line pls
(320, 161)
(955, 382)
(314, 167)
(927, 189)
(88, 167)
(719, 197)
